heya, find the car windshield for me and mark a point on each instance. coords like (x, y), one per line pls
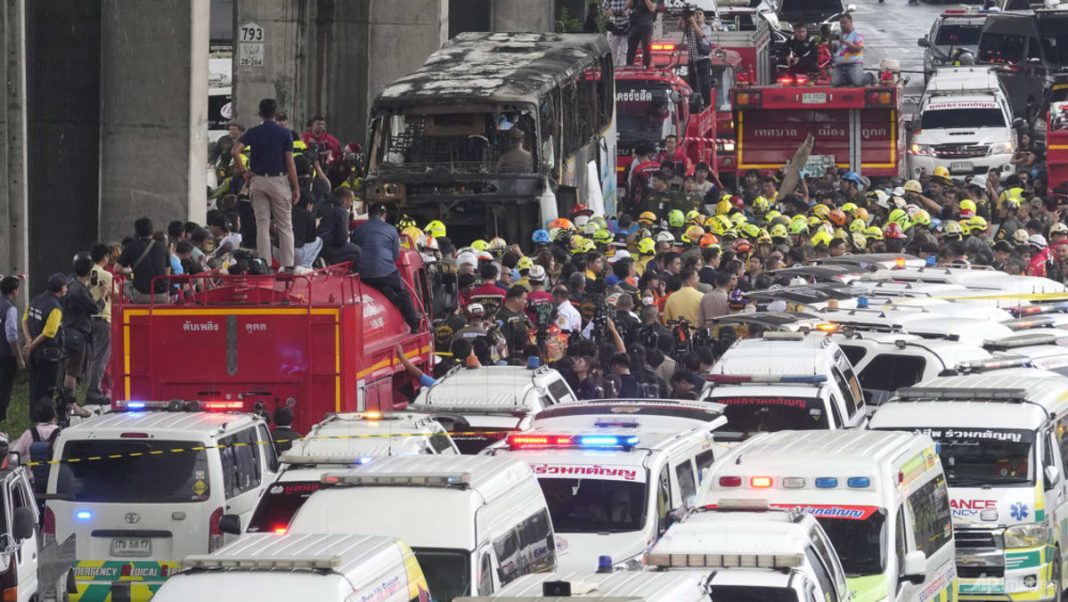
(1001, 48)
(752, 593)
(861, 543)
(127, 477)
(594, 505)
(983, 457)
(447, 572)
(958, 35)
(962, 118)
(1054, 33)
(756, 414)
(645, 113)
(279, 504)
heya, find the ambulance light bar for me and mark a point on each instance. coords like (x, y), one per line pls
(454, 480)
(1021, 340)
(540, 441)
(298, 459)
(1030, 310)
(1006, 361)
(736, 379)
(964, 394)
(722, 561)
(761, 482)
(213, 562)
(783, 335)
(1028, 323)
(178, 405)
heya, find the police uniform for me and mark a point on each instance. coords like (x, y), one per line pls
(44, 315)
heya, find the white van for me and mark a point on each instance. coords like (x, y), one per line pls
(1003, 440)
(750, 553)
(917, 320)
(340, 441)
(19, 547)
(982, 280)
(613, 480)
(785, 380)
(151, 487)
(965, 124)
(475, 523)
(881, 498)
(624, 586)
(487, 402)
(323, 568)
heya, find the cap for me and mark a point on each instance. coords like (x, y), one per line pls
(56, 282)
(620, 254)
(1036, 240)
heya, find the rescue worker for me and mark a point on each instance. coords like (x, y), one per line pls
(379, 248)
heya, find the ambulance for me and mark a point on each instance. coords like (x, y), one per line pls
(603, 586)
(613, 480)
(319, 567)
(880, 497)
(1003, 440)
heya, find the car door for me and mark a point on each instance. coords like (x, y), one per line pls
(243, 472)
(26, 556)
(1056, 492)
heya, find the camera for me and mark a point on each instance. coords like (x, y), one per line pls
(688, 9)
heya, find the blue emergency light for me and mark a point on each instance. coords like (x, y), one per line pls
(826, 482)
(859, 482)
(607, 441)
(83, 515)
(135, 405)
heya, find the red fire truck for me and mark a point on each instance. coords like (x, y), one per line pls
(321, 342)
(653, 103)
(854, 128)
(1057, 136)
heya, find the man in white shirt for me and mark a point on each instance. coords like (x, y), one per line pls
(567, 317)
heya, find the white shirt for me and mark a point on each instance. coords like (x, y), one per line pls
(568, 318)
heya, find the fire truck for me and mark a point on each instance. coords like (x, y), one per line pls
(653, 103)
(854, 128)
(1057, 136)
(319, 342)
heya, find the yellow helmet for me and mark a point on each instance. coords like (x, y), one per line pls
(723, 207)
(676, 219)
(899, 216)
(647, 218)
(770, 215)
(586, 246)
(778, 231)
(873, 233)
(692, 234)
(967, 205)
(977, 224)
(694, 216)
(646, 246)
(406, 221)
(480, 245)
(761, 205)
(849, 207)
(750, 231)
(859, 241)
(952, 228)
(840, 233)
(922, 218)
(940, 171)
(738, 219)
(814, 221)
(860, 213)
(435, 228)
(764, 237)
(602, 236)
(821, 210)
(524, 263)
(857, 225)
(410, 236)
(497, 245)
(799, 227)
(820, 237)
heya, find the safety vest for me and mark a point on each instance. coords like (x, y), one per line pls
(37, 315)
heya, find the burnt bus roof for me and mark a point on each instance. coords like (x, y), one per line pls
(495, 67)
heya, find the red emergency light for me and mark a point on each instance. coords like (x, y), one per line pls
(662, 47)
(793, 80)
(221, 406)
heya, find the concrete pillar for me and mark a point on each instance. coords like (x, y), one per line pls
(14, 219)
(523, 15)
(281, 72)
(153, 119)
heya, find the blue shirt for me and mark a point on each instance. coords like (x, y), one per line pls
(379, 248)
(269, 144)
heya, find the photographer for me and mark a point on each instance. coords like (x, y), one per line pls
(699, 48)
(800, 55)
(617, 26)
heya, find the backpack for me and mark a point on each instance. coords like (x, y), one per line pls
(41, 452)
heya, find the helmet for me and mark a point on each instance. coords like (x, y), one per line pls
(761, 205)
(738, 219)
(540, 237)
(860, 213)
(741, 246)
(599, 221)
(497, 245)
(798, 227)
(524, 263)
(563, 223)
(480, 245)
(723, 207)
(602, 237)
(586, 246)
(922, 218)
(410, 235)
(693, 234)
(646, 246)
(750, 231)
(764, 237)
(852, 177)
(814, 221)
(859, 241)
(1058, 228)
(837, 217)
(977, 224)
(857, 225)
(953, 229)
(967, 205)
(778, 231)
(560, 234)
(665, 236)
(576, 242)
(406, 221)
(708, 240)
(898, 216)
(647, 218)
(820, 238)
(428, 243)
(588, 228)
(894, 231)
(675, 218)
(770, 215)
(693, 216)
(821, 210)
(841, 234)
(435, 228)
(912, 186)
(940, 171)
(537, 274)
(580, 209)
(849, 207)
(1020, 237)
(873, 233)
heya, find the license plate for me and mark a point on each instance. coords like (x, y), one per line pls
(959, 166)
(131, 546)
(814, 98)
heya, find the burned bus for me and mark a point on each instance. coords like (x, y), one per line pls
(497, 134)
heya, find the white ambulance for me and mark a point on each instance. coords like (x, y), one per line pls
(607, 586)
(614, 479)
(1003, 440)
(881, 498)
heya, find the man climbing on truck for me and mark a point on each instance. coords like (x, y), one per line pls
(379, 246)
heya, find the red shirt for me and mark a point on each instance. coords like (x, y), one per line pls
(333, 145)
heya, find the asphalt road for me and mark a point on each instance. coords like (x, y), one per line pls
(890, 31)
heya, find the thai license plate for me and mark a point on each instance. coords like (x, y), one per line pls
(131, 546)
(961, 166)
(814, 98)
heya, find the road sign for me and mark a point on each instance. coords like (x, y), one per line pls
(251, 45)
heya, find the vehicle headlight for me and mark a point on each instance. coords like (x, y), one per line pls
(1027, 536)
(921, 149)
(1002, 148)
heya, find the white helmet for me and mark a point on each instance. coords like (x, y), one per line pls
(665, 236)
(536, 274)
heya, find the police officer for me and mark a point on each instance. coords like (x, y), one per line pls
(42, 325)
(11, 359)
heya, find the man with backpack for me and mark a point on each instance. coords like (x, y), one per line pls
(38, 442)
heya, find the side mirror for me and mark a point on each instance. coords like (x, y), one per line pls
(230, 524)
(915, 569)
(923, 43)
(25, 522)
(1053, 476)
(548, 159)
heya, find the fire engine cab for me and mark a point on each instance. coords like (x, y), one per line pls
(319, 342)
(1057, 136)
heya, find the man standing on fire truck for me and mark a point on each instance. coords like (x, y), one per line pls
(379, 246)
(848, 55)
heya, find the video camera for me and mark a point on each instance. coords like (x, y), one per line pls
(689, 9)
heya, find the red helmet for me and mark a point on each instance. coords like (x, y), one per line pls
(893, 231)
(741, 246)
(737, 201)
(580, 209)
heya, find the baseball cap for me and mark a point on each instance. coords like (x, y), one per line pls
(1004, 246)
(620, 254)
(56, 282)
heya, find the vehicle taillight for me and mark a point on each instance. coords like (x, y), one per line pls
(49, 525)
(730, 481)
(215, 535)
(747, 99)
(877, 98)
(280, 530)
(11, 594)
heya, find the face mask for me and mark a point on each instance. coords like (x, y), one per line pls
(647, 301)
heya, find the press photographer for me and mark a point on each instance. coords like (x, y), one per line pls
(699, 47)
